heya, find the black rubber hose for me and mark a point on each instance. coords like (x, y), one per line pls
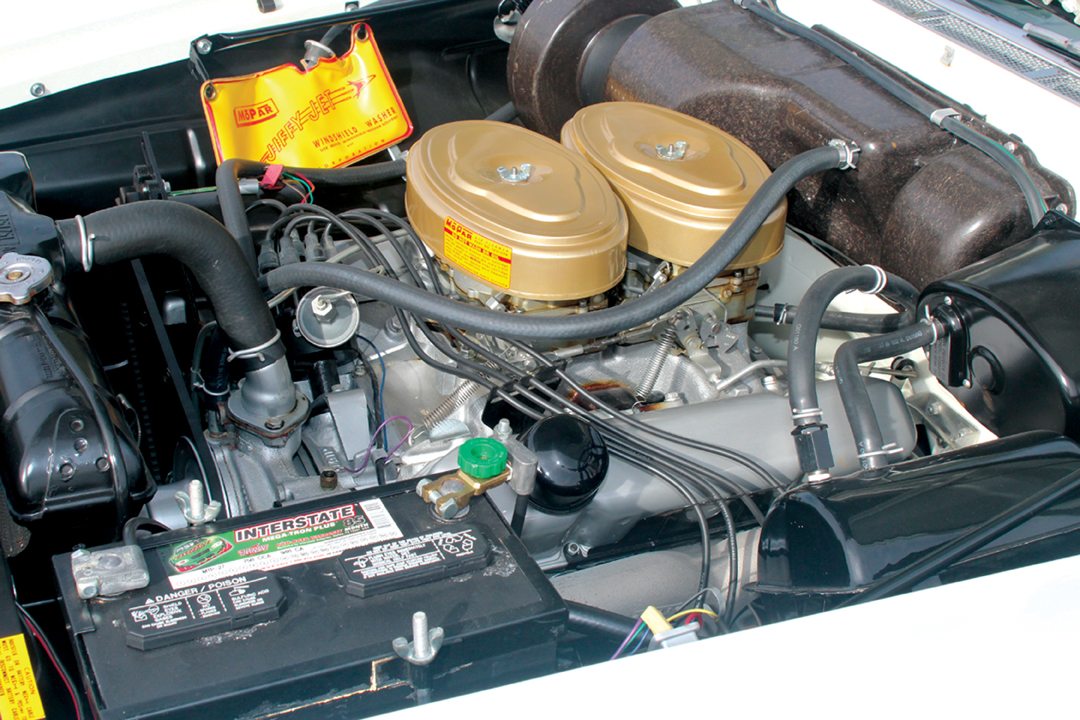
(804, 334)
(215, 364)
(971, 541)
(1009, 162)
(853, 393)
(597, 622)
(130, 534)
(233, 210)
(192, 238)
(596, 324)
(899, 291)
(780, 314)
(234, 213)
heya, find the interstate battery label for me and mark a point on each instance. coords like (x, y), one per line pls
(279, 543)
(19, 696)
(486, 259)
(343, 109)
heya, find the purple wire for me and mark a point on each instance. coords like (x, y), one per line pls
(627, 640)
(640, 642)
(374, 435)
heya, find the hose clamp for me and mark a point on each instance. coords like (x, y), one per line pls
(805, 414)
(941, 114)
(86, 244)
(254, 352)
(198, 384)
(849, 153)
(933, 326)
(886, 450)
(782, 316)
(882, 280)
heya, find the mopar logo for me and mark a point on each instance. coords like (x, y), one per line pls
(255, 113)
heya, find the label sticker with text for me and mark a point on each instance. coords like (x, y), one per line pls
(282, 542)
(486, 259)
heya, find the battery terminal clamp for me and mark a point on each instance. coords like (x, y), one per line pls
(482, 464)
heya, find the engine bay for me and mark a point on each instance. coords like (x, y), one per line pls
(665, 323)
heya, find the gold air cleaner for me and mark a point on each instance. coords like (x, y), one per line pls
(515, 212)
(683, 181)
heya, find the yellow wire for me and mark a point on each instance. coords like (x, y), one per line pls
(692, 611)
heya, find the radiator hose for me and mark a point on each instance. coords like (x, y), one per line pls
(195, 240)
(600, 323)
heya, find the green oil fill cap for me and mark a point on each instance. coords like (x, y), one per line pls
(482, 458)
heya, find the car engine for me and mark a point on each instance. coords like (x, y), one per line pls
(665, 323)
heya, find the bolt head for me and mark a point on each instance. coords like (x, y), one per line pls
(88, 590)
(67, 471)
(515, 173)
(274, 423)
(103, 464)
(448, 509)
(323, 309)
(39, 90)
(203, 46)
(674, 151)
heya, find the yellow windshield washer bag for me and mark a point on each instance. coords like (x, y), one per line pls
(343, 109)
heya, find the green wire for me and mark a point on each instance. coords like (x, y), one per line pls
(626, 645)
(308, 189)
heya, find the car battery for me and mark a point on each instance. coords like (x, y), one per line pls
(295, 612)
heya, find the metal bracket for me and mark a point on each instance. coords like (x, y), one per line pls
(111, 571)
(938, 116)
